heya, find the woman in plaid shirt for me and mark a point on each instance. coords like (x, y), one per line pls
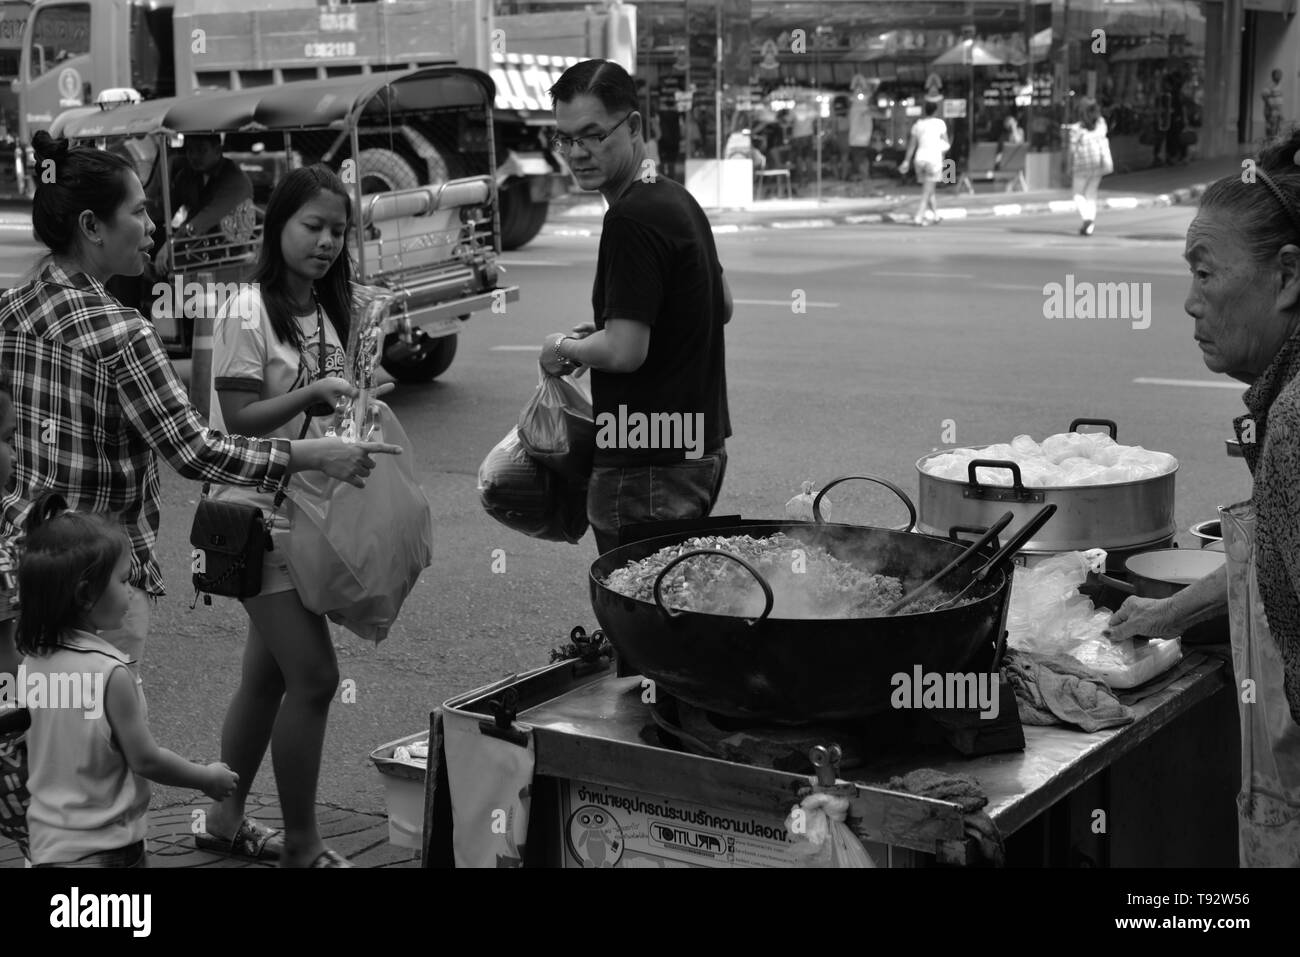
(97, 400)
(1090, 153)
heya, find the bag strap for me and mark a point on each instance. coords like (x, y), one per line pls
(283, 490)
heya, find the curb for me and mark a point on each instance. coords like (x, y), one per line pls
(1177, 197)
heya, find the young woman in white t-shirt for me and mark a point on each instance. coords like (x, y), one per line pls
(927, 144)
(267, 359)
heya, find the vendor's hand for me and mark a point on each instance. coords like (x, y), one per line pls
(219, 781)
(550, 364)
(583, 329)
(350, 462)
(1143, 617)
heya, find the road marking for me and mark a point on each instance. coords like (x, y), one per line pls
(531, 262)
(927, 275)
(1197, 383)
(783, 302)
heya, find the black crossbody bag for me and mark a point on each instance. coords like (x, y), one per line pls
(230, 539)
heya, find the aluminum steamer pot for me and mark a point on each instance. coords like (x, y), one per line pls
(1113, 517)
(792, 670)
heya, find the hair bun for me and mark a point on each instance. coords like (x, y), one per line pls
(47, 147)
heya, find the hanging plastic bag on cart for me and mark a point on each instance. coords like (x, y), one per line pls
(557, 429)
(818, 825)
(522, 495)
(354, 554)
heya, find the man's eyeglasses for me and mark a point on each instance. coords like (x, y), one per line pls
(589, 141)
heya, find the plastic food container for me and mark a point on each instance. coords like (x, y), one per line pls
(404, 790)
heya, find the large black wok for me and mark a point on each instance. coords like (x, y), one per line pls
(800, 670)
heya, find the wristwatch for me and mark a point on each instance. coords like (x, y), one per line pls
(563, 359)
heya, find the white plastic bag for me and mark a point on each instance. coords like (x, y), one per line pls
(800, 508)
(823, 838)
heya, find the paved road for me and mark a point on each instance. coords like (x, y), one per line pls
(904, 329)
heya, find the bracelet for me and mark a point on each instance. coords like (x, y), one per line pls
(560, 357)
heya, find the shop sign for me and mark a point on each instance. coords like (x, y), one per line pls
(954, 109)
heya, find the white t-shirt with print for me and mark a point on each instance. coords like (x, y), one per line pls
(931, 140)
(247, 355)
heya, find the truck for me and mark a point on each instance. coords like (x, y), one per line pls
(73, 50)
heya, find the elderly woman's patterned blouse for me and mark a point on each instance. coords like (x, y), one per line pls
(1274, 460)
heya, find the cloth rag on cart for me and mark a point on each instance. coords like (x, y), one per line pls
(1055, 689)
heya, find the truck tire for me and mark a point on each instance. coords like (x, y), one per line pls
(427, 367)
(522, 218)
(383, 171)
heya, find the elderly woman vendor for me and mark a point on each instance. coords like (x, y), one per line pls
(1244, 252)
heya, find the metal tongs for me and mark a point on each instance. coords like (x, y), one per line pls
(990, 535)
(1004, 555)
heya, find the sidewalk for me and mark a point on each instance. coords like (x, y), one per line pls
(361, 838)
(581, 214)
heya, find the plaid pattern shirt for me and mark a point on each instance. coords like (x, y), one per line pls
(1089, 149)
(96, 402)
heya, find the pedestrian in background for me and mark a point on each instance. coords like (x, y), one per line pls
(1091, 160)
(90, 764)
(1274, 107)
(96, 398)
(660, 301)
(927, 144)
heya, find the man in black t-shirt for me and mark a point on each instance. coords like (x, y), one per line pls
(658, 381)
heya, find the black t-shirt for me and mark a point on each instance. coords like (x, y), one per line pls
(658, 264)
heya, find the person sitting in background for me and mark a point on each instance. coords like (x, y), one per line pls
(1012, 135)
(215, 196)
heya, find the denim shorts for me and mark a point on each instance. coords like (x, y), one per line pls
(652, 493)
(133, 855)
(275, 563)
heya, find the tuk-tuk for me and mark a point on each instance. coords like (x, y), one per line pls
(434, 246)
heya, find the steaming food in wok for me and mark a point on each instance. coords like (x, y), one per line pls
(807, 581)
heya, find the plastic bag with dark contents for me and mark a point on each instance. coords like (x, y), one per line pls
(557, 428)
(522, 495)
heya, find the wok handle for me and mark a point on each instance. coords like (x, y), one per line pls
(911, 509)
(1115, 583)
(1109, 423)
(762, 582)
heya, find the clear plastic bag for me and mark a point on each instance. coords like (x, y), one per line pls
(1048, 616)
(354, 554)
(557, 429)
(818, 826)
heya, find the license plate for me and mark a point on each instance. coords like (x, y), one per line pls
(441, 326)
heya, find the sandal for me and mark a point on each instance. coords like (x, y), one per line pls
(253, 841)
(328, 858)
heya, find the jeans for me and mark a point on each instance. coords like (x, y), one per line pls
(133, 855)
(652, 493)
